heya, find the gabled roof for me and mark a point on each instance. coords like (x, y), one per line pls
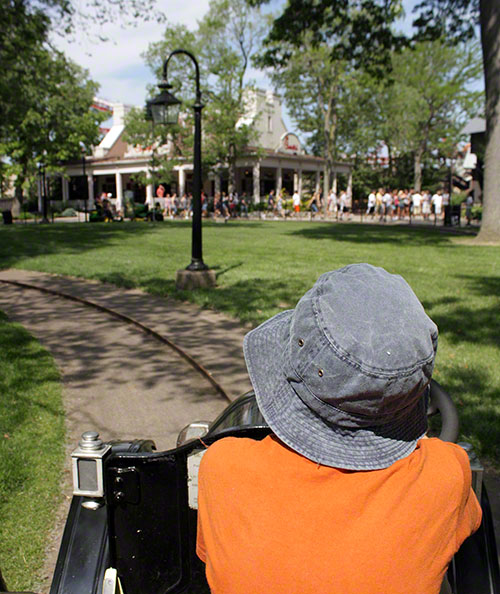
(111, 137)
(475, 126)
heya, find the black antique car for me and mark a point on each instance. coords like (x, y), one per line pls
(132, 521)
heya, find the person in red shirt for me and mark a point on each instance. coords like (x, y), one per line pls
(347, 495)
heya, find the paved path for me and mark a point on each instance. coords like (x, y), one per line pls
(118, 380)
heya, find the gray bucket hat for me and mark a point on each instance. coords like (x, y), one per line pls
(342, 378)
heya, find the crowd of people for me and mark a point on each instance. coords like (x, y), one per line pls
(399, 204)
(173, 205)
(383, 204)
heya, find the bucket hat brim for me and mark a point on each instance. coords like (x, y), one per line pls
(300, 428)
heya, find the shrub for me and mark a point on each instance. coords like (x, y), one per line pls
(259, 207)
(477, 213)
(69, 212)
(457, 198)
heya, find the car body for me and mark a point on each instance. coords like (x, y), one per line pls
(133, 519)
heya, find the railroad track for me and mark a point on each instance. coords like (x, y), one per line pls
(181, 352)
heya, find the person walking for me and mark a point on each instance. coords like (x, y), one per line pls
(372, 201)
(296, 203)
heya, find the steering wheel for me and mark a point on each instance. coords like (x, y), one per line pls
(440, 401)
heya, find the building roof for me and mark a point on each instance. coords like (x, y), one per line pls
(475, 126)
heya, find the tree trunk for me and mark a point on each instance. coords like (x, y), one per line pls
(326, 185)
(231, 171)
(389, 159)
(19, 192)
(490, 40)
(231, 178)
(417, 169)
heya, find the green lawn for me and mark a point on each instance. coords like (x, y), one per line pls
(31, 453)
(264, 267)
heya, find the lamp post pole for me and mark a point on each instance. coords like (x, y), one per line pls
(196, 252)
(43, 183)
(196, 236)
(85, 181)
(164, 109)
(153, 171)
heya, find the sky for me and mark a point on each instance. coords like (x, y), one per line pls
(117, 64)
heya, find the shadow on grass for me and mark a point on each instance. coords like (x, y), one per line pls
(220, 272)
(116, 278)
(478, 404)
(363, 233)
(488, 286)
(18, 242)
(477, 325)
(251, 301)
(469, 323)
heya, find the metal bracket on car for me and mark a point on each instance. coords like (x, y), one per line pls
(476, 468)
(125, 485)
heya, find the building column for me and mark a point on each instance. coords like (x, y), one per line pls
(90, 185)
(334, 181)
(65, 189)
(295, 182)
(300, 182)
(182, 182)
(256, 182)
(119, 192)
(149, 195)
(317, 188)
(279, 180)
(217, 183)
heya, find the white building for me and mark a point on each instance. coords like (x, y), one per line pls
(280, 163)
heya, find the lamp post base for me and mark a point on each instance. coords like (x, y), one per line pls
(188, 280)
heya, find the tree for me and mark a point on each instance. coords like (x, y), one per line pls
(430, 101)
(230, 33)
(223, 45)
(51, 119)
(368, 35)
(310, 81)
(315, 54)
(458, 19)
(27, 25)
(24, 34)
(358, 31)
(67, 16)
(45, 99)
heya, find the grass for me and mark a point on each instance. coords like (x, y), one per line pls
(263, 267)
(31, 453)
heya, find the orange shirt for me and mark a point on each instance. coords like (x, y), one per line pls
(271, 521)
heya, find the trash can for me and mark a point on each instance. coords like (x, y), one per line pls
(452, 215)
(7, 217)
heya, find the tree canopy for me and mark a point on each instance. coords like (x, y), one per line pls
(369, 35)
(45, 99)
(223, 44)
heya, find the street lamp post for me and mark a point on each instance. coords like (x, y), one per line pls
(153, 171)
(43, 184)
(85, 181)
(164, 109)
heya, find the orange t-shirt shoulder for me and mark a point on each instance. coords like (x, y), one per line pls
(272, 521)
